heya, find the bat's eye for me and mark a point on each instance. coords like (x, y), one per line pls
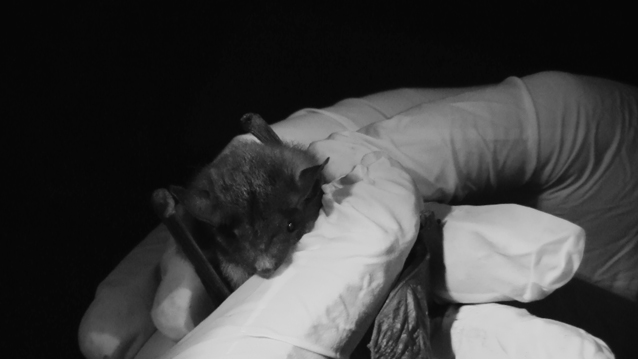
(291, 227)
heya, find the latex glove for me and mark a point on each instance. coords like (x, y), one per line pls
(498, 331)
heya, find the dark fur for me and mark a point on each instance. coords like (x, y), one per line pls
(252, 204)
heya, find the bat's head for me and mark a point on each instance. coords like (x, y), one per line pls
(257, 223)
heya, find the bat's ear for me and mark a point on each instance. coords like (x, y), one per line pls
(197, 202)
(254, 124)
(311, 179)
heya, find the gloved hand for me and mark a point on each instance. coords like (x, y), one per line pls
(119, 322)
(564, 144)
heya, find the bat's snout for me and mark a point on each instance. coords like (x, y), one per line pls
(266, 266)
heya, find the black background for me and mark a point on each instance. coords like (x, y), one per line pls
(109, 100)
